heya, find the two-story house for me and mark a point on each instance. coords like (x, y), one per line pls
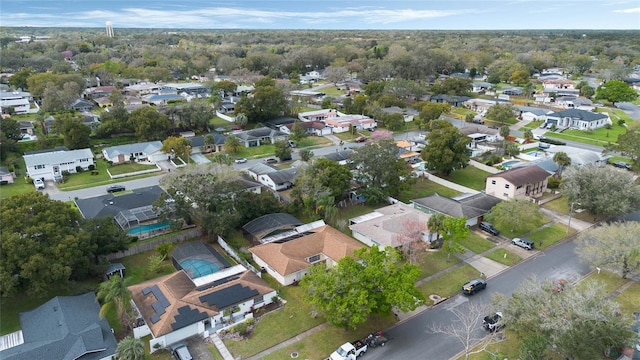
(518, 183)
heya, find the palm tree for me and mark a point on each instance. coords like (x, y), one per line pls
(436, 225)
(528, 135)
(130, 348)
(114, 292)
(241, 120)
(563, 160)
(232, 144)
(505, 131)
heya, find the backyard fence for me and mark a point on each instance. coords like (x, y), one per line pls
(237, 257)
(151, 245)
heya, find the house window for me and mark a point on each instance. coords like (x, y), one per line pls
(314, 259)
(519, 187)
(505, 195)
(506, 186)
(493, 182)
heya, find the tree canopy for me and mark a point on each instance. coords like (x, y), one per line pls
(378, 166)
(323, 177)
(267, 102)
(41, 243)
(629, 143)
(603, 191)
(612, 246)
(515, 215)
(616, 91)
(577, 323)
(446, 148)
(372, 282)
(501, 113)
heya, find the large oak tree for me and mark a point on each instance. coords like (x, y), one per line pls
(372, 283)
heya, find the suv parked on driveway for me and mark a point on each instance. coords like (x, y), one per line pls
(474, 286)
(485, 226)
(523, 243)
(39, 184)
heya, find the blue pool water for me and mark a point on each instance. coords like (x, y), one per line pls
(147, 228)
(508, 164)
(536, 153)
(199, 267)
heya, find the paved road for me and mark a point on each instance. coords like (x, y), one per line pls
(413, 340)
(630, 108)
(57, 194)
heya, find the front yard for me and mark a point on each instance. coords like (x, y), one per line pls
(476, 243)
(504, 257)
(548, 236)
(436, 261)
(448, 284)
(424, 187)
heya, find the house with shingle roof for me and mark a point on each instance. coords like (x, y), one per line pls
(287, 260)
(65, 327)
(256, 137)
(384, 227)
(518, 183)
(173, 308)
(139, 152)
(49, 164)
(471, 206)
(578, 119)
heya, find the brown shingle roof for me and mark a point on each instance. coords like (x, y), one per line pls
(523, 175)
(290, 257)
(180, 291)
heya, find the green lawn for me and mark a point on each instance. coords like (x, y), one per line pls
(476, 243)
(313, 141)
(137, 267)
(533, 125)
(607, 280)
(20, 186)
(333, 91)
(217, 122)
(471, 177)
(530, 225)
(450, 283)
(424, 187)
(277, 326)
(322, 343)
(628, 299)
(436, 261)
(348, 137)
(355, 210)
(252, 152)
(603, 135)
(129, 168)
(504, 257)
(549, 235)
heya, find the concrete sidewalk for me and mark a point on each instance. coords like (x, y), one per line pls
(576, 224)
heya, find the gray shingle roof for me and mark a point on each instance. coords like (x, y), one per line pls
(583, 115)
(65, 327)
(283, 176)
(149, 147)
(110, 205)
(218, 139)
(469, 207)
(57, 157)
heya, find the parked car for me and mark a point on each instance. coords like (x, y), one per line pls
(622, 165)
(292, 144)
(523, 243)
(39, 184)
(485, 226)
(115, 188)
(493, 322)
(240, 160)
(559, 285)
(477, 121)
(270, 160)
(360, 139)
(474, 286)
(181, 351)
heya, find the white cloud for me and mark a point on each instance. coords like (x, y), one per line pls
(628, 11)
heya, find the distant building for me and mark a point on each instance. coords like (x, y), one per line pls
(109, 29)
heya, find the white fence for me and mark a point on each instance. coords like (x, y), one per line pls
(225, 117)
(238, 258)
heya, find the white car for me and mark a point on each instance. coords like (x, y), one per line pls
(240, 161)
(39, 184)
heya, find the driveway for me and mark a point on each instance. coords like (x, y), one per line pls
(198, 348)
(200, 159)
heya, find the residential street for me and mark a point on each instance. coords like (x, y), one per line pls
(412, 339)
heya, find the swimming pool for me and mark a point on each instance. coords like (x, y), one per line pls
(147, 228)
(508, 164)
(536, 153)
(199, 267)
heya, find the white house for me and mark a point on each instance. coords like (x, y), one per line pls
(528, 113)
(385, 226)
(578, 119)
(139, 152)
(288, 259)
(49, 164)
(518, 183)
(272, 177)
(342, 124)
(19, 101)
(175, 307)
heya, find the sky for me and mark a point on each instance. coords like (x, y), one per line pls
(326, 14)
